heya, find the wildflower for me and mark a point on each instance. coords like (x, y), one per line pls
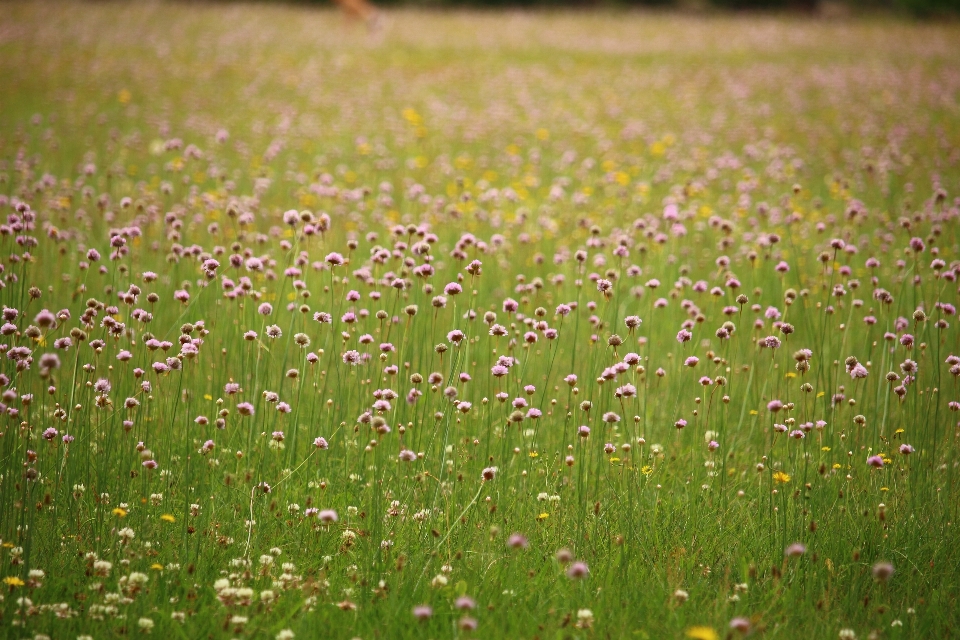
(795, 550)
(577, 570)
(740, 624)
(875, 461)
(882, 571)
(517, 541)
(422, 612)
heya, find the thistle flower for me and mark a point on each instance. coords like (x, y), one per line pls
(882, 571)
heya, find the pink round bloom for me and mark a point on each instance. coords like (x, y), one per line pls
(577, 570)
(795, 550)
(740, 624)
(680, 424)
(684, 336)
(320, 443)
(517, 541)
(422, 612)
(906, 449)
(882, 571)
(245, 409)
(452, 289)
(489, 473)
(875, 461)
(407, 456)
(465, 603)
(858, 371)
(327, 516)
(691, 361)
(584, 431)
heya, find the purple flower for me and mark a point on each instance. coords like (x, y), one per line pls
(422, 612)
(795, 550)
(740, 624)
(684, 336)
(882, 571)
(875, 461)
(517, 541)
(577, 570)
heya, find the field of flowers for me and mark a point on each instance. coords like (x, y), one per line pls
(485, 325)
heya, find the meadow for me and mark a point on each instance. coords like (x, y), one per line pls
(483, 325)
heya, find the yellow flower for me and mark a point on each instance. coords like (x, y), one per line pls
(156, 566)
(646, 469)
(168, 518)
(614, 460)
(824, 448)
(781, 477)
(533, 454)
(836, 465)
(543, 516)
(120, 513)
(702, 633)
(13, 581)
(753, 412)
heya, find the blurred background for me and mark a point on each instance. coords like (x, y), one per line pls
(916, 8)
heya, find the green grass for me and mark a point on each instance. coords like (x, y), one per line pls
(520, 139)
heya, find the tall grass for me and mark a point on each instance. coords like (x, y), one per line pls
(482, 326)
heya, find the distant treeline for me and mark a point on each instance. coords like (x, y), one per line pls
(919, 8)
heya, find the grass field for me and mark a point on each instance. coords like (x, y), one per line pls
(484, 325)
